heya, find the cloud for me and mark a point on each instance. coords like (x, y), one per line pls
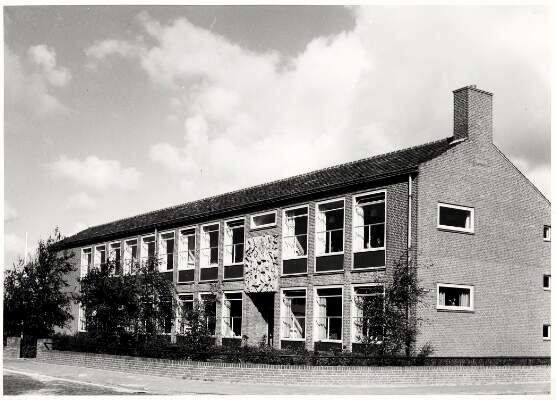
(249, 117)
(29, 83)
(10, 213)
(13, 244)
(95, 173)
(81, 200)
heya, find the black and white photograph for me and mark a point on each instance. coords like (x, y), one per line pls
(277, 199)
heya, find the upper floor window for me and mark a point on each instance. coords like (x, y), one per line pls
(130, 255)
(546, 282)
(234, 237)
(166, 250)
(148, 248)
(209, 245)
(369, 221)
(454, 297)
(546, 331)
(115, 256)
(264, 220)
(330, 227)
(100, 256)
(86, 261)
(187, 249)
(456, 218)
(546, 233)
(295, 233)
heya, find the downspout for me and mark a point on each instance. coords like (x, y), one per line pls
(409, 210)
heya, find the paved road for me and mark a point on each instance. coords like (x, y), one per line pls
(42, 378)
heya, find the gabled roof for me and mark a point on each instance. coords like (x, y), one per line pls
(320, 181)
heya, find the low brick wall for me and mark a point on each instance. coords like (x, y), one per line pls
(12, 347)
(298, 374)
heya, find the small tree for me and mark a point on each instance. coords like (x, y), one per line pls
(34, 297)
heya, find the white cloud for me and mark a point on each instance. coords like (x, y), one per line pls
(95, 173)
(45, 57)
(81, 200)
(10, 213)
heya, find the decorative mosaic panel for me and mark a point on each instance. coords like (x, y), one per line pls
(261, 264)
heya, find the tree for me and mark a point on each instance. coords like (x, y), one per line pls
(389, 322)
(34, 297)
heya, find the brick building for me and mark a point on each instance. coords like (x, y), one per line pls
(291, 257)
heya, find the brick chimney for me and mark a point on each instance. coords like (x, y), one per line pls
(473, 114)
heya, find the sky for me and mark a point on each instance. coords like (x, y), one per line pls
(112, 111)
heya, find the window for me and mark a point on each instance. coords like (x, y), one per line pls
(86, 261)
(130, 255)
(209, 246)
(328, 314)
(546, 282)
(147, 251)
(264, 220)
(330, 227)
(208, 307)
(115, 256)
(455, 218)
(546, 233)
(454, 297)
(295, 233)
(232, 314)
(100, 257)
(368, 315)
(546, 331)
(166, 250)
(186, 258)
(184, 313)
(234, 242)
(293, 314)
(369, 222)
(81, 320)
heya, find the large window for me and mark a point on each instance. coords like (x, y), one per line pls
(187, 249)
(368, 222)
(81, 319)
(330, 227)
(293, 313)
(455, 297)
(368, 313)
(100, 257)
(234, 237)
(546, 331)
(546, 233)
(209, 246)
(148, 246)
(232, 311)
(130, 255)
(115, 256)
(263, 220)
(546, 282)
(208, 307)
(185, 308)
(166, 251)
(328, 314)
(295, 233)
(456, 218)
(86, 261)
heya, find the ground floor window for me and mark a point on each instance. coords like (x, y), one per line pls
(454, 297)
(328, 314)
(546, 331)
(368, 314)
(208, 307)
(185, 307)
(232, 312)
(82, 319)
(293, 314)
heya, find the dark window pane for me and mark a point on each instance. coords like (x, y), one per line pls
(237, 235)
(377, 236)
(454, 217)
(335, 328)
(300, 225)
(335, 219)
(213, 239)
(214, 255)
(169, 261)
(373, 214)
(336, 241)
(265, 219)
(333, 306)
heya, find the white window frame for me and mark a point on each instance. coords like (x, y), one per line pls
(81, 318)
(201, 304)
(471, 210)
(84, 267)
(354, 306)
(201, 248)
(111, 253)
(455, 308)
(315, 305)
(144, 257)
(182, 267)
(282, 316)
(549, 281)
(549, 332)
(162, 262)
(127, 261)
(223, 318)
(97, 260)
(306, 206)
(252, 223)
(343, 231)
(353, 207)
(180, 305)
(546, 238)
(226, 244)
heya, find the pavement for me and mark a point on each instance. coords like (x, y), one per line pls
(82, 380)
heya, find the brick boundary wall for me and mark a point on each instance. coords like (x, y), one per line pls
(12, 348)
(299, 374)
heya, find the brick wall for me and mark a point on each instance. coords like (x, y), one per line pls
(12, 348)
(299, 375)
(503, 259)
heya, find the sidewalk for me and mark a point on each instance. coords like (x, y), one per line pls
(127, 383)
